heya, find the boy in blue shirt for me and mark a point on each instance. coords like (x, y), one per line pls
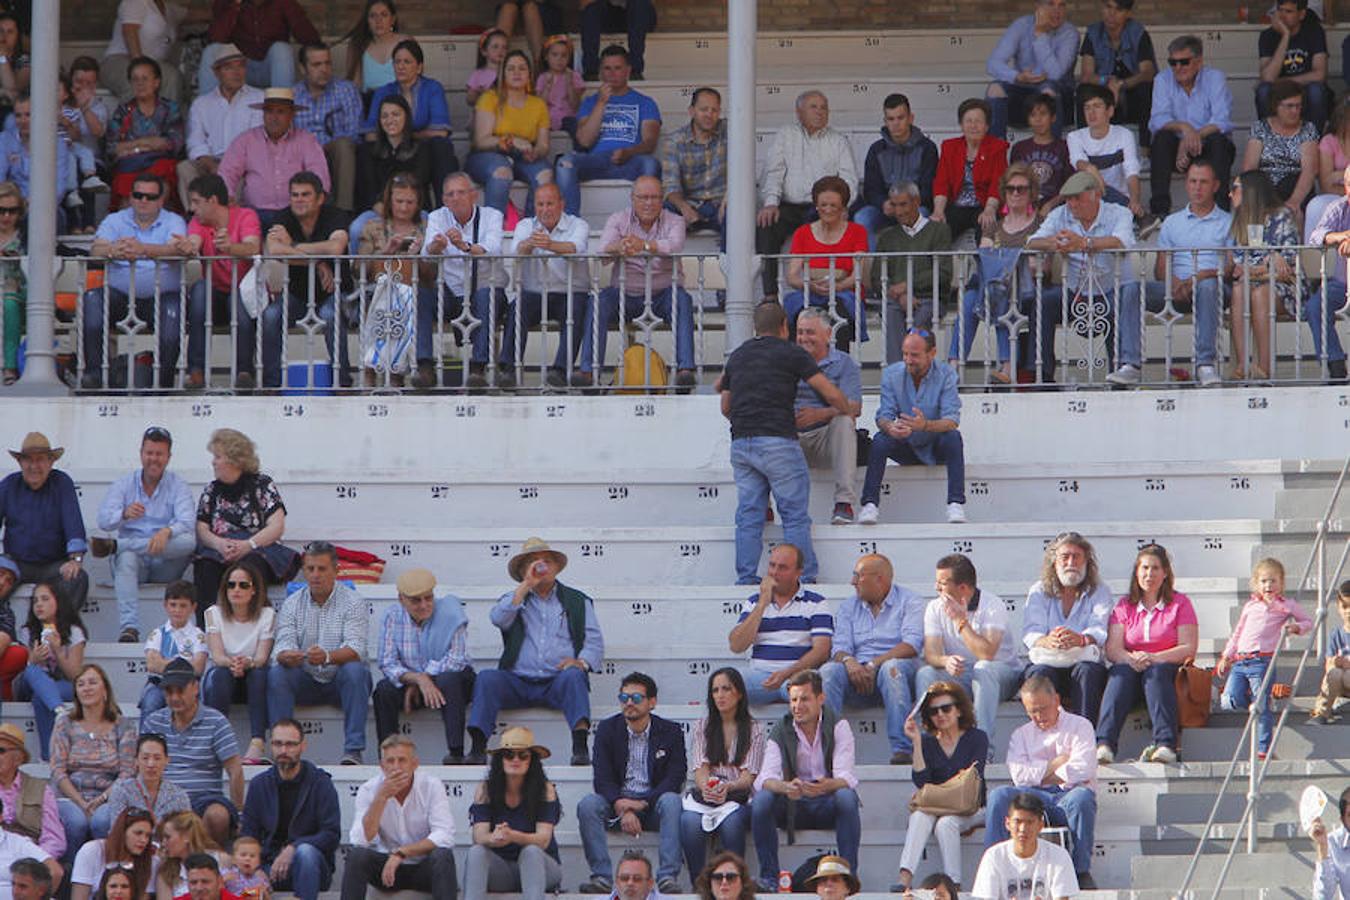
(178, 637)
(1336, 681)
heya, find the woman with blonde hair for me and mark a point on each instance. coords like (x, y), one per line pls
(180, 836)
(240, 517)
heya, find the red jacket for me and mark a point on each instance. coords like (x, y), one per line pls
(990, 162)
(255, 25)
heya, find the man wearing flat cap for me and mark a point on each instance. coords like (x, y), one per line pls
(424, 656)
(218, 117)
(266, 156)
(1083, 229)
(40, 512)
(551, 642)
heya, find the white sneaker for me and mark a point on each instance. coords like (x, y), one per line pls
(1105, 755)
(1163, 754)
(95, 184)
(869, 514)
(956, 513)
(1126, 375)
(1207, 376)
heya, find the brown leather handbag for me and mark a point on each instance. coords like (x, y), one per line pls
(1195, 686)
(957, 796)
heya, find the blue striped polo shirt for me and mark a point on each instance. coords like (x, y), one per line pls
(785, 632)
(198, 752)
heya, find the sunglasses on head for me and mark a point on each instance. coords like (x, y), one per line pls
(243, 585)
(154, 432)
(516, 754)
(725, 876)
(142, 195)
(636, 697)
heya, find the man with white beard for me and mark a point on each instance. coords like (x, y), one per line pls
(1064, 624)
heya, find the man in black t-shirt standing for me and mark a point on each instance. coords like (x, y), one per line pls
(311, 233)
(1295, 47)
(759, 389)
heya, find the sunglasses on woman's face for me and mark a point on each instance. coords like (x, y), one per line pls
(942, 707)
(242, 585)
(725, 876)
(516, 754)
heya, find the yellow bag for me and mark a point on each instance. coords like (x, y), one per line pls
(633, 375)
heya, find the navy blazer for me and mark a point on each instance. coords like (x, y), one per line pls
(666, 762)
(316, 819)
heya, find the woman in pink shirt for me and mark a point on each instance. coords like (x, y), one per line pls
(1251, 649)
(1151, 633)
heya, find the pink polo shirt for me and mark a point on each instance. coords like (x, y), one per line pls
(1258, 627)
(243, 224)
(1153, 630)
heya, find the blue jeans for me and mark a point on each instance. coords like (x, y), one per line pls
(276, 69)
(221, 301)
(760, 465)
(220, 688)
(451, 307)
(1239, 691)
(309, 874)
(992, 306)
(633, 306)
(730, 833)
(838, 811)
(845, 303)
(132, 566)
(594, 814)
(1075, 809)
(47, 693)
(494, 690)
(1011, 108)
(80, 828)
(532, 312)
(1206, 305)
(1158, 683)
(894, 691)
(1317, 309)
(987, 682)
(710, 219)
(574, 168)
(1080, 686)
(349, 689)
(1086, 314)
(756, 694)
(948, 450)
(495, 171)
(874, 221)
(292, 309)
(638, 17)
(118, 304)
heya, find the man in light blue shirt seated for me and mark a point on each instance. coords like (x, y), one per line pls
(1192, 117)
(152, 512)
(918, 424)
(827, 436)
(551, 642)
(878, 636)
(132, 239)
(1083, 230)
(1194, 278)
(620, 127)
(1333, 230)
(1035, 56)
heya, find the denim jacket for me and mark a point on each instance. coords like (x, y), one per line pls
(1105, 56)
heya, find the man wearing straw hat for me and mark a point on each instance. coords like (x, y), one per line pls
(834, 880)
(551, 642)
(424, 657)
(40, 512)
(266, 156)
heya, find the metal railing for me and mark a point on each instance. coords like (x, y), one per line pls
(1314, 571)
(1052, 319)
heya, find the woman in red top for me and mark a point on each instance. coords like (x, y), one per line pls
(965, 191)
(821, 274)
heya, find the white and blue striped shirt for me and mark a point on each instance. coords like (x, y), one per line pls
(785, 633)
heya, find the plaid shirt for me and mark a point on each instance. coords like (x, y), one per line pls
(340, 622)
(697, 170)
(336, 113)
(401, 646)
(636, 782)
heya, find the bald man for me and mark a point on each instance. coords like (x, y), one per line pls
(878, 636)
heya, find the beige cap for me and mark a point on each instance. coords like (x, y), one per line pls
(416, 582)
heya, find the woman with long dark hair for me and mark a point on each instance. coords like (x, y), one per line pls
(370, 63)
(127, 848)
(513, 816)
(55, 638)
(726, 877)
(239, 634)
(393, 152)
(728, 751)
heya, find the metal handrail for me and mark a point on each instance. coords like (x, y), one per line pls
(1257, 768)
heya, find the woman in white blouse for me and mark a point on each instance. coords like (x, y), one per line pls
(239, 633)
(145, 28)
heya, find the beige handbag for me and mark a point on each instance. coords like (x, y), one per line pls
(957, 796)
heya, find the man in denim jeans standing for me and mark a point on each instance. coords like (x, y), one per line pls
(759, 387)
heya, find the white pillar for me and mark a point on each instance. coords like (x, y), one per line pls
(39, 375)
(742, 265)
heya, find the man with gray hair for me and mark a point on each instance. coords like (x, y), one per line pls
(827, 436)
(914, 285)
(801, 154)
(29, 880)
(1035, 56)
(1065, 621)
(1192, 117)
(402, 835)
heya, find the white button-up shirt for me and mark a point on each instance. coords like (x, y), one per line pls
(214, 122)
(456, 267)
(1331, 876)
(549, 273)
(424, 814)
(797, 160)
